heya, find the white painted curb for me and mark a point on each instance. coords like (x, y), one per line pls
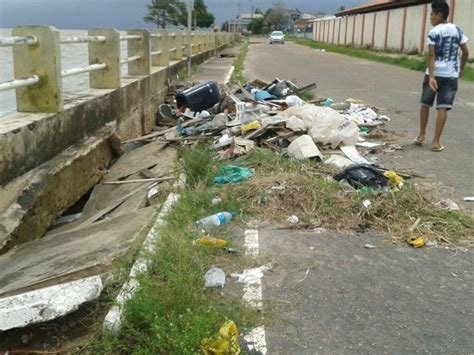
(113, 319)
(229, 75)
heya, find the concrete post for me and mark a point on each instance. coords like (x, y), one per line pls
(194, 42)
(178, 44)
(139, 47)
(184, 38)
(107, 52)
(43, 60)
(161, 44)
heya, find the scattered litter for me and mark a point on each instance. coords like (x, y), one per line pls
(448, 204)
(305, 276)
(233, 174)
(469, 199)
(339, 161)
(225, 342)
(319, 230)
(293, 219)
(252, 126)
(216, 220)
(418, 242)
(215, 201)
(363, 175)
(251, 276)
(366, 203)
(214, 277)
(370, 246)
(369, 145)
(212, 242)
(352, 153)
(432, 243)
(396, 181)
(232, 251)
(312, 248)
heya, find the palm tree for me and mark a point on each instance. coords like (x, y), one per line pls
(164, 12)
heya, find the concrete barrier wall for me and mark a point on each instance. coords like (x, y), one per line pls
(406, 32)
(368, 29)
(29, 139)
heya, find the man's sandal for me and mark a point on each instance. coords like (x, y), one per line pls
(437, 150)
(418, 141)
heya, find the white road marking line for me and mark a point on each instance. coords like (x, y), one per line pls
(256, 340)
(253, 295)
(251, 242)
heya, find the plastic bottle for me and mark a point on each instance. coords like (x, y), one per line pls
(216, 220)
(212, 242)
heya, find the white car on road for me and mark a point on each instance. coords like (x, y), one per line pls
(277, 37)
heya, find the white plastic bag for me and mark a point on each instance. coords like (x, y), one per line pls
(326, 125)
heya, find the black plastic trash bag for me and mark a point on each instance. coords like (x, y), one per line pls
(363, 175)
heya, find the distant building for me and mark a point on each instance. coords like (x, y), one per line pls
(241, 23)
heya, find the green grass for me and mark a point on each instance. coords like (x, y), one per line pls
(237, 75)
(402, 61)
(172, 312)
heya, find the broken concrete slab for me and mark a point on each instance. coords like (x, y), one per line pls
(144, 157)
(47, 303)
(30, 203)
(64, 256)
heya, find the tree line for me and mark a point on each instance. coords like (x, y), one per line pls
(164, 13)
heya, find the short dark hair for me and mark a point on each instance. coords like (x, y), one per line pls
(440, 7)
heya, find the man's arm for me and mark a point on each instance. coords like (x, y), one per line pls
(464, 57)
(431, 68)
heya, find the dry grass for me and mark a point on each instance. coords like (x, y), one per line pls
(284, 187)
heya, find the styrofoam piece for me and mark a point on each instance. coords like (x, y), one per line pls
(304, 148)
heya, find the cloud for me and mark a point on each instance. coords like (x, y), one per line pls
(124, 14)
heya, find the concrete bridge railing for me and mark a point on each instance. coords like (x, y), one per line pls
(37, 59)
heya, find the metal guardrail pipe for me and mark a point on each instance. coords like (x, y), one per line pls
(86, 69)
(18, 83)
(18, 41)
(131, 59)
(171, 49)
(128, 37)
(156, 53)
(82, 39)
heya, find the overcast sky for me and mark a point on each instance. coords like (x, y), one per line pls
(123, 14)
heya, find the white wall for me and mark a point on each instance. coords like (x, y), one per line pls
(380, 24)
(413, 28)
(328, 30)
(368, 29)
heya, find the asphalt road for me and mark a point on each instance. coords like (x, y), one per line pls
(327, 293)
(390, 87)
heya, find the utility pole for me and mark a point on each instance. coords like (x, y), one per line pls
(190, 4)
(239, 23)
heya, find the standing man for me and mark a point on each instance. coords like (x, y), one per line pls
(444, 70)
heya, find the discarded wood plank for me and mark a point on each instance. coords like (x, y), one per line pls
(163, 132)
(415, 225)
(138, 181)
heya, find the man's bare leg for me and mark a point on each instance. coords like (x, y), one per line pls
(424, 116)
(440, 122)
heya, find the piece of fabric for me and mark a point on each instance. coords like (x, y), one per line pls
(447, 38)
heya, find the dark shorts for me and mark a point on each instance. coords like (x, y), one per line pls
(447, 89)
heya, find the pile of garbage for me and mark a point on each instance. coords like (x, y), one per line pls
(271, 116)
